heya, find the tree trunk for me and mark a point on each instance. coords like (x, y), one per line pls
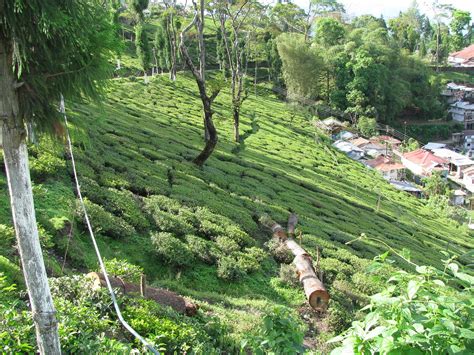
(236, 115)
(211, 132)
(318, 297)
(24, 219)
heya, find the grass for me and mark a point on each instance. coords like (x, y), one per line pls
(141, 140)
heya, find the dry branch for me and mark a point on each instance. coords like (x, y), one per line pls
(160, 296)
(316, 293)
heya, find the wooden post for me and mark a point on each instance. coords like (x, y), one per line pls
(21, 198)
(143, 285)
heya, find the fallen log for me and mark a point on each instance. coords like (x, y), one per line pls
(316, 293)
(160, 296)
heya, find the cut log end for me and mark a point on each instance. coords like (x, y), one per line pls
(319, 300)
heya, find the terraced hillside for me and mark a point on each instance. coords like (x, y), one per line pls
(195, 230)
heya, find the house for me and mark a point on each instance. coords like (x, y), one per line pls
(468, 179)
(457, 163)
(454, 92)
(422, 163)
(458, 198)
(461, 110)
(330, 125)
(374, 150)
(407, 187)
(389, 169)
(359, 142)
(344, 135)
(391, 142)
(433, 145)
(351, 150)
(462, 58)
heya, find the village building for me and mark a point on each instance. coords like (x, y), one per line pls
(457, 163)
(458, 198)
(455, 92)
(462, 111)
(389, 169)
(407, 187)
(434, 145)
(349, 149)
(330, 125)
(372, 150)
(391, 142)
(422, 163)
(462, 58)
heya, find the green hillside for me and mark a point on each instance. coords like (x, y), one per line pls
(196, 230)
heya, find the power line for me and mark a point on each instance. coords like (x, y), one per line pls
(127, 326)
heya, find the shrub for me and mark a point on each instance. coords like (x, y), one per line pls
(7, 239)
(227, 245)
(46, 164)
(123, 269)
(104, 222)
(280, 251)
(418, 312)
(250, 259)
(289, 275)
(280, 333)
(171, 249)
(229, 269)
(203, 249)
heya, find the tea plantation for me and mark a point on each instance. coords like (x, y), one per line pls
(195, 230)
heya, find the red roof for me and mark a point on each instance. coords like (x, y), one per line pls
(425, 159)
(382, 163)
(466, 53)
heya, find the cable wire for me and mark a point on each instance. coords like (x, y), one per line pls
(127, 326)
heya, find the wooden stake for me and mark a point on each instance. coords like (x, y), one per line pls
(143, 285)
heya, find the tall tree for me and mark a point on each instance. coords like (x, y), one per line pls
(234, 16)
(142, 45)
(47, 48)
(462, 28)
(143, 48)
(171, 24)
(210, 132)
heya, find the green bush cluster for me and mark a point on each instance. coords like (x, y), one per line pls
(123, 269)
(281, 333)
(104, 222)
(171, 249)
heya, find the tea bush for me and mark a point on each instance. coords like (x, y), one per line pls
(104, 222)
(280, 333)
(203, 249)
(171, 249)
(123, 269)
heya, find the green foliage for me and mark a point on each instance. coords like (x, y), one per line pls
(329, 32)
(123, 269)
(7, 239)
(42, 57)
(436, 184)
(280, 333)
(462, 29)
(172, 250)
(425, 312)
(409, 145)
(300, 62)
(104, 222)
(288, 274)
(367, 126)
(143, 47)
(203, 249)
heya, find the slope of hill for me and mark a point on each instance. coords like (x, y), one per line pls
(195, 230)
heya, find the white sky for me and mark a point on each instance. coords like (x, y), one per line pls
(391, 8)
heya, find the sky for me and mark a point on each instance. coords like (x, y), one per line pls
(391, 8)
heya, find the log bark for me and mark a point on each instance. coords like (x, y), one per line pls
(316, 293)
(24, 219)
(160, 296)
